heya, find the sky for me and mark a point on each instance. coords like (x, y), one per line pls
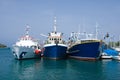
(71, 16)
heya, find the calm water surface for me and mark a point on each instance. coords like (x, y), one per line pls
(45, 69)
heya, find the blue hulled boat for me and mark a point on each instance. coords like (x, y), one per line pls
(55, 47)
(84, 49)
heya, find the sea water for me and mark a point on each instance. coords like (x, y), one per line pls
(46, 69)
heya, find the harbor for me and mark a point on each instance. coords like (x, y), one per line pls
(82, 46)
(59, 40)
(57, 59)
(47, 69)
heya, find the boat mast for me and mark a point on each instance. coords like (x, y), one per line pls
(96, 30)
(54, 24)
(119, 41)
(78, 33)
(27, 30)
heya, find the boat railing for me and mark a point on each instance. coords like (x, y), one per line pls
(55, 42)
(88, 41)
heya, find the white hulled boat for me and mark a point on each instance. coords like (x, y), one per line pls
(26, 47)
(106, 56)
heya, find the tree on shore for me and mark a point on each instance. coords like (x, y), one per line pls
(114, 44)
(2, 45)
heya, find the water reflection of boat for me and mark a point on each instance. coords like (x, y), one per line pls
(54, 64)
(25, 69)
(81, 68)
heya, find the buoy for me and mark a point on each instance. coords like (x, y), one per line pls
(37, 51)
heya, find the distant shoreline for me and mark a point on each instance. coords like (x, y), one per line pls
(3, 46)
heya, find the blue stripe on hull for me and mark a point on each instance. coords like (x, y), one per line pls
(86, 50)
(55, 52)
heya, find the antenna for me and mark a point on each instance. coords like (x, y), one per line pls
(78, 31)
(96, 30)
(54, 24)
(27, 30)
(79, 28)
(119, 40)
(43, 35)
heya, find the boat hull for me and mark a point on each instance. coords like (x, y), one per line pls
(106, 57)
(55, 51)
(116, 58)
(21, 52)
(109, 53)
(85, 51)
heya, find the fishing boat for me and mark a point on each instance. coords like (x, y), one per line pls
(26, 47)
(87, 48)
(107, 52)
(117, 57)
(110, 51)
(54, 46)
(106, 56)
